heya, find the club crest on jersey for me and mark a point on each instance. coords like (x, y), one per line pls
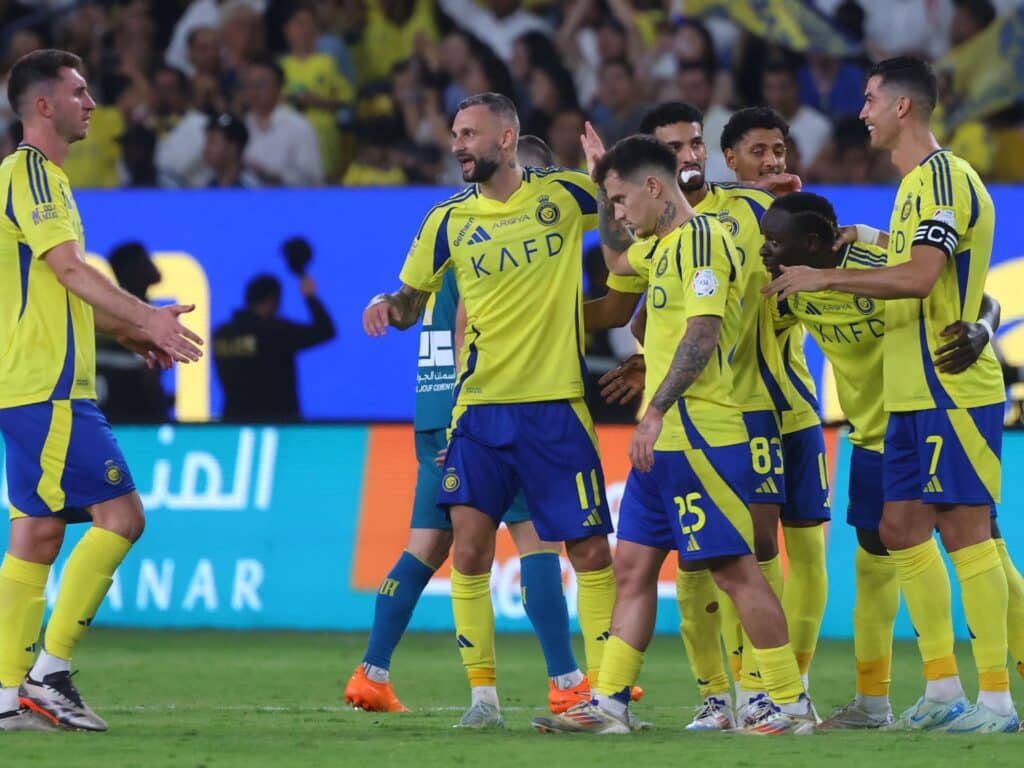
(730, 223)
(112, 474)
(547, 212)
(864, 304)
(704, 283)
(662, 265)
(908, 206)
(451, 481)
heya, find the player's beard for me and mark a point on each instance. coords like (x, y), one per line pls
(695, 182)
(483, 169)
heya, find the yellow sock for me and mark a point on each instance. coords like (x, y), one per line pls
(620, 668)
(925, 585)
(874, 613)
(805, 591)
(22, 602)
(1014, 608)
(87, 577)
(474, 626)
(732, 635)
(780, 673)
(750, 676)
(595, 598)
(984, 593)
(700, 625)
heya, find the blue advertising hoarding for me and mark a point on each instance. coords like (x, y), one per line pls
(212, 242)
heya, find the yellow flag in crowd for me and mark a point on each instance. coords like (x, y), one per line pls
(987, 71)
(791, 23)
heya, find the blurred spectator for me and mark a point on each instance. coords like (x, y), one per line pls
(497, 22)
(388, 32)
(282, 147)
(894, 27)
(377, 161)
(330, 41)
(808, 127)
(223, 148)
(589, 35)
(564, 136)
(21, 42)
(93, 162)
(972, 140)
(242, 41)
(832, 86)
(314, 85)
(621, 104)
(969, 18)
(138, 158)
(254, 352)
(695, 85)
(180, 129)
(426, 128)
(847, 158)
(127, 389)
(207, 77)
(551, 90)
(534, 49)
(200, 13)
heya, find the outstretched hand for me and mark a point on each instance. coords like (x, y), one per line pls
(780, 184)
(163, 331)
(795, 279)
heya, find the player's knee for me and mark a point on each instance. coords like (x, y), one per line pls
(871, 542)
(37, 540)
(123, 516)
(895, 536)
(430, 546)
(589, 554)
(469, 558)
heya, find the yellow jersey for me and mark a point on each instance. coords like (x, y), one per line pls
(850, 330)
(691, 272)
(518, 267)
(48, 336)
(942, 203)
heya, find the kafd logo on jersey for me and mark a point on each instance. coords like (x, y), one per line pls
(436, 349)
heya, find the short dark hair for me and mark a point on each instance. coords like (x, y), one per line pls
(497, 103)
(234, 130)
(633, 153)
(745, 120)
(813, 213)
(262, 287)
(909, 72)
(268, 62)
(42, 66)
(538, 153)
(670, 113)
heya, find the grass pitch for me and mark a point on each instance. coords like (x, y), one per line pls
(212, 699)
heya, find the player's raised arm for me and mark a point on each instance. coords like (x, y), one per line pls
(120, 312)
(401, 309)
(615, 238)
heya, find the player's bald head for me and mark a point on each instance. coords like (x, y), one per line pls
(910, 77)
(498, 105)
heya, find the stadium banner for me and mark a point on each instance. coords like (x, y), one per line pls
(209, 243)
(294, 527)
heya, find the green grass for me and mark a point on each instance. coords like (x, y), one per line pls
(188, 699)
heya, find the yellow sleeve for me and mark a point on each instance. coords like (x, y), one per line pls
(584, 192)
(944, 203)
(640, 255)
(42, 215)
(626, 283)
(430, 254)
(705, 269)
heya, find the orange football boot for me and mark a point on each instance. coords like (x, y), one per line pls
(562, 699)
(363, 693)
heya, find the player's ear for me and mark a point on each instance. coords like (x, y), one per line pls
(653, 185)
(730, 158)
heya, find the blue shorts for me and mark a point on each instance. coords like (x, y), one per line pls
(61, 459)
(807, 491)
(942, 456)
(867, 489)
(766, 457)
(548, 450)
(691, 501)
(425, 511)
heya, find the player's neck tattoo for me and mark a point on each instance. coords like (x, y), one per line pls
(666, 219)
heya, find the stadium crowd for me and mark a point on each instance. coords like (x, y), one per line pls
(250, 93)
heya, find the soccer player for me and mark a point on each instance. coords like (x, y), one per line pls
(691, 460)
(513, 240)
(63, 462)
(430, 536)
(754, 145)
(943, 439)
(802, 229)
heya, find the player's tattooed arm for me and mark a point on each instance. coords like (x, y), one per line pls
(401, 310)
(692, 356)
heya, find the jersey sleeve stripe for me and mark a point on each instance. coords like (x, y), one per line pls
(948, 176)
(44, 180)
(975, 208)
(586, 201)
(755, 206)
(442, 251)
(935, 388)
(10, 204)
(24, 264)
(30, 170)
